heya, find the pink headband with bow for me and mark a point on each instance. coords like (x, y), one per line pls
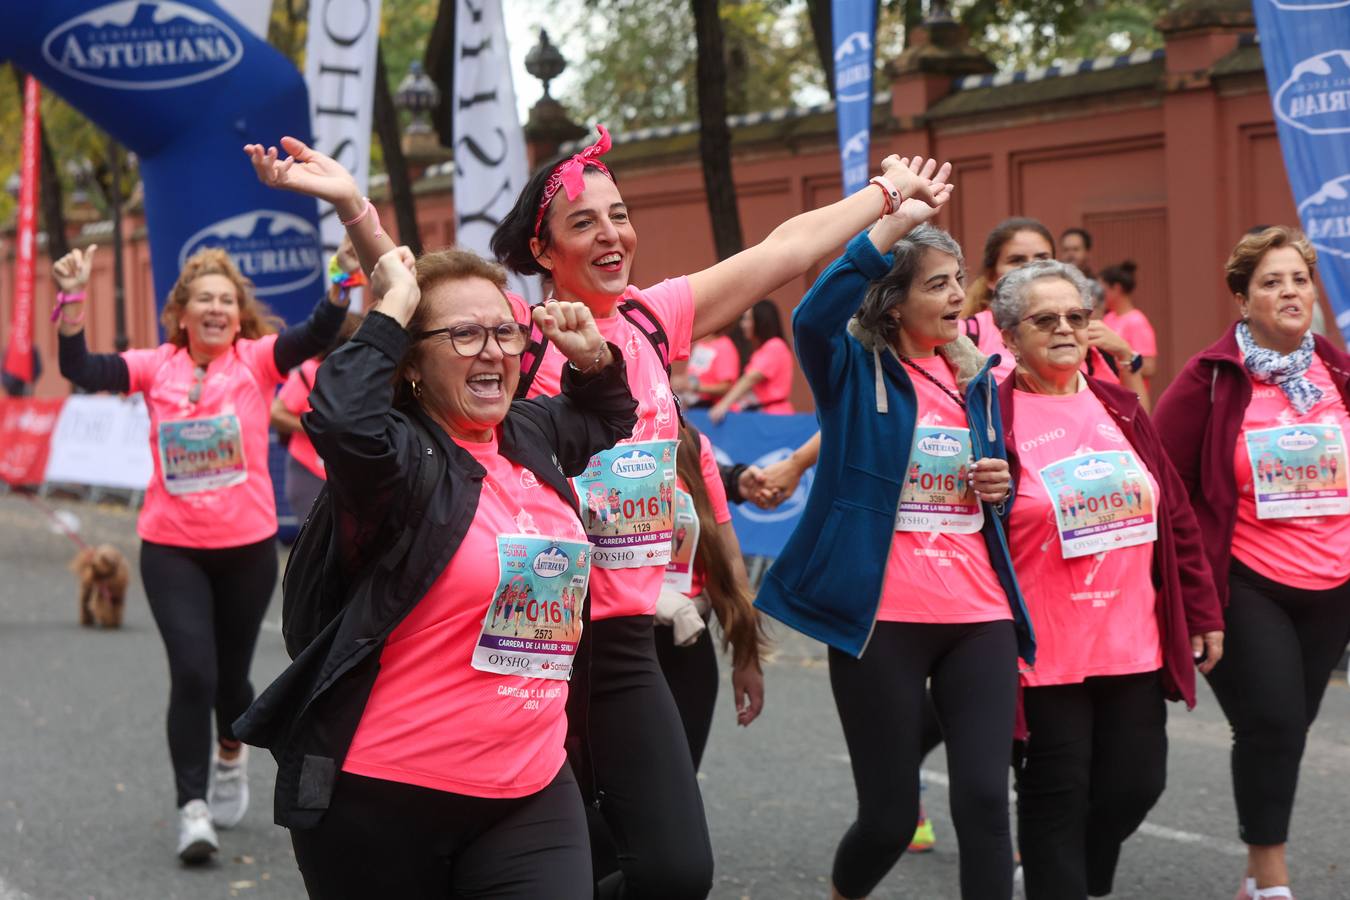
(570, 175)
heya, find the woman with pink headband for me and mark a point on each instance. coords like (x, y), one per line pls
(571, 224)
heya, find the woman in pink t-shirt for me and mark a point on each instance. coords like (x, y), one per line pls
(1245, 423)
(1110, 558)
(428, 758)
(718, 585)
(208, 558)
(304, 466)
(714, 365)
(766, 385)
(570, 223)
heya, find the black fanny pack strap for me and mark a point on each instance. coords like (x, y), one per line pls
(652, 330)
(531, 360)
(973, 330)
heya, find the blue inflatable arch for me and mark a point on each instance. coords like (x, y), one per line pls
(185, 85)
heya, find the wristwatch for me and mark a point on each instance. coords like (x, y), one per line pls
(1136, 362)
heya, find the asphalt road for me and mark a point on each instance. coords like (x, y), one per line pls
(86, 798)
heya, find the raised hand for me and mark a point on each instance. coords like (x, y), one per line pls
(571, 328)
(305, 171)
(394, 284)
(915, 178)
(71, 271)
(913, 211)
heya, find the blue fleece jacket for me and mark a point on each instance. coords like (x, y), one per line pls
(827, 581)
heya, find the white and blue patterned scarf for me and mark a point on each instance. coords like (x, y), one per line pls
(1287, 372)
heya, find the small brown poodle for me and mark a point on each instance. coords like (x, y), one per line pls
(103, 575)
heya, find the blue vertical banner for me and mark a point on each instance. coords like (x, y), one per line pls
(1306, 48)
(854, 35)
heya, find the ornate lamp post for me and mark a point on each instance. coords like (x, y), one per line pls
(418, 94)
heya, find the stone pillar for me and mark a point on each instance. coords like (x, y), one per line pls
(1198, 33)
(549, 126)
(939, 51)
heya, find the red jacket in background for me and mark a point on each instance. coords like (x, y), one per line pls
(1200, 416)
(1186, 600)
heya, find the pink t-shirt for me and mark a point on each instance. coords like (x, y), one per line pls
(210, 487)
(932, 576)
(432, 719)
(990, 342)
(714, 361)
(1093, 615)
(633, 592)
(774, 361)
(1101, 369)
(1135, 328)
(295, 397)
(1308, 552)
(717, 496)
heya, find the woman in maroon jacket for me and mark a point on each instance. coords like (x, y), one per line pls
(1121, 597)
(1269, 397)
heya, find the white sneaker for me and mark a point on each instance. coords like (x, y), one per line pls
(196, 835)
(228, 794)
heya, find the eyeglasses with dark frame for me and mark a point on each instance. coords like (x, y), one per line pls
(470, 338)
(1078, 319)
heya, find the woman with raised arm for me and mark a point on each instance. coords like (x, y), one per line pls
(899, 562)
(571, 224)
(766, 385)
(208, 554)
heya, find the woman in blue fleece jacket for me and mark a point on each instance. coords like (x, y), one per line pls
(899, 563)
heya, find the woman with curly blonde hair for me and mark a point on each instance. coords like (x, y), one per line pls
(207, 526)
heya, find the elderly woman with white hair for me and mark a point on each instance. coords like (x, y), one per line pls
(1122, 601)
(899, 562)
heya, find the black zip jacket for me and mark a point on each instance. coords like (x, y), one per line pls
(307, 717)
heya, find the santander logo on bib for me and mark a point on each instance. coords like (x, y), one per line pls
(1297, 440)
(198, 432)
(278, 250)
(1093, 470)
(939, 444)
(143, 45)
(638, 464)
(550, 563)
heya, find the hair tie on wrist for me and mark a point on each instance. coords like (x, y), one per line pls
(371, 211)
(62, 298)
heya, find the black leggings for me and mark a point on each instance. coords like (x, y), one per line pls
(881, 700)
(648, 794)
(1093, 766)
(1280, 645)
(691, 673)
(385, 839)
(209, 605)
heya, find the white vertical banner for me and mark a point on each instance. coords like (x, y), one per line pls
(490, 167)
(340, 75)
(254, 14)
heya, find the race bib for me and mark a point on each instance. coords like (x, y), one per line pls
(533, 623)
(937, 495)
(201, 454)
(1298, 470)
(684, 544)
(700, 360)
(627, 497)
(1103, 501)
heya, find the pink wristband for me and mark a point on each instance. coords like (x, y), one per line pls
(62, 298)
(371, 211)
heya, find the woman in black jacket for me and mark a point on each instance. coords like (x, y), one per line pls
(420, 737)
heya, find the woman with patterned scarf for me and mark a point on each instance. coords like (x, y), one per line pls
(1270, 399)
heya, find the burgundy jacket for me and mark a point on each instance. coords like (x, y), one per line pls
(1186, 600)
(1200, 416)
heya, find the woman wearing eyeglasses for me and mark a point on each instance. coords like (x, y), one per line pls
(433, 764)
(1109, 556)
(208, 558)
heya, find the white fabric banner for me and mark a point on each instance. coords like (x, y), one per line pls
(102, 441)
(490, 167)
(340, 74)
(252, 14)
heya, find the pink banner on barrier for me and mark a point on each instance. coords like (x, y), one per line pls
(26, 426)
